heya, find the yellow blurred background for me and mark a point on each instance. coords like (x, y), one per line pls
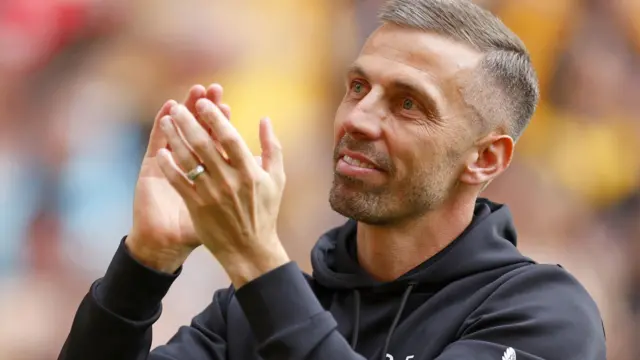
(81, 80)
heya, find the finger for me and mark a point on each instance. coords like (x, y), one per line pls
(214, 93)
(197, 138)
(175, 176)
(157, 140)
(272, 161)
(196, 92)
(226, 110)
(182, 154)
(232, 143)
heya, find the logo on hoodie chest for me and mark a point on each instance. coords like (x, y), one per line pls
(390, 357)
(509, 354)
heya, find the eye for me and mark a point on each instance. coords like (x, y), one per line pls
(408, 104)
(357, 87)
(408, 107)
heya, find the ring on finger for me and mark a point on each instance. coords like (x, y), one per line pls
(194, 173)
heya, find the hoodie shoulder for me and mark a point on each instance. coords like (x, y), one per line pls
(544, 311)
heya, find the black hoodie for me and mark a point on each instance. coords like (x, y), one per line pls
(478, 299)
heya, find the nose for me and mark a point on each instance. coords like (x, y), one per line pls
(364, 121)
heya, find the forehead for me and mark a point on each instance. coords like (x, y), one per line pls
(398, 51)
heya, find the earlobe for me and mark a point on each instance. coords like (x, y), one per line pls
(492, 157)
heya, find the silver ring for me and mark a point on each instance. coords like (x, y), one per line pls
(197, 171)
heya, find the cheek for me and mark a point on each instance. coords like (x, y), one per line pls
(417, 158)
(405, 159)
(413, 165)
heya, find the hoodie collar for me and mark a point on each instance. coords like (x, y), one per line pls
(489, 242)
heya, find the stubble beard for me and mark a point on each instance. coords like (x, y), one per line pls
(395, 203)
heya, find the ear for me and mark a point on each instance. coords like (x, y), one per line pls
(491, 157)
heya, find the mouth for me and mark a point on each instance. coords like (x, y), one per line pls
(357, 162)
(355, 165)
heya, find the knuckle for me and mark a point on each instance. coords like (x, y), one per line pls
(248, 179)
(207, 117)
(205, 197)
(179, 183)
(228, 140)
(182, 152)
(212, 198)
(254, 175)
(226, 189)
(200, 145)
(199, 202)
(174, 177)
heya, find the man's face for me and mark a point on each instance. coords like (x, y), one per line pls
(402, 129)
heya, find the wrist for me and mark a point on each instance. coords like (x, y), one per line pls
(244, 267)
(162, 259)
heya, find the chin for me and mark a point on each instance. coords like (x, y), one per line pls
(357, 205)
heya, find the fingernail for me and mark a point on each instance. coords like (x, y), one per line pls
(163, 151)
(175, 109)
(203, 106)
(165, 122)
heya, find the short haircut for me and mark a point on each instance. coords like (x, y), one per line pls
(505, 92)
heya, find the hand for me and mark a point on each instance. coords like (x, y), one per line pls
(234, 204)
(163, 236)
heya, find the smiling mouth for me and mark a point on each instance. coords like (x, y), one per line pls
(357, 163)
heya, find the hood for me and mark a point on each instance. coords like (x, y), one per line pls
(489, 242)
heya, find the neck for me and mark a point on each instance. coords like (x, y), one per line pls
(388, 252)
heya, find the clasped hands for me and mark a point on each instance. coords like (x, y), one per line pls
(234, 203)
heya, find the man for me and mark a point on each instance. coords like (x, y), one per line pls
(422, 270)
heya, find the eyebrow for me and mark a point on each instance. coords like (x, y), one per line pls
(425, 95)
(356, 69)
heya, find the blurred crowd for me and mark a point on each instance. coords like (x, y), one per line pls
(81, 80)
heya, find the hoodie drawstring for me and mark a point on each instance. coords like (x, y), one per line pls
(396, 320)
(356, 319)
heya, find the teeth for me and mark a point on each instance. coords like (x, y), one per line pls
(354, 162)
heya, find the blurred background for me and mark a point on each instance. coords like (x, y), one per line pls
(81, 80)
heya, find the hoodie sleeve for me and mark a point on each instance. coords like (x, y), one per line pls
(539, 314)
(114, 319)
(287, 319)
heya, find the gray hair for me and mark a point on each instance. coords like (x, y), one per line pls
(512, 95)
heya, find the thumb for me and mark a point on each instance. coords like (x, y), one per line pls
(157, 139)
(272, 161)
